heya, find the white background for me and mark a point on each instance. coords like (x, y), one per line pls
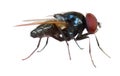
(16, 43)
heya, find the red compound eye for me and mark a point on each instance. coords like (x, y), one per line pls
(91, 23)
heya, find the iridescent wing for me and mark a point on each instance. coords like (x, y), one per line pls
(60, 24)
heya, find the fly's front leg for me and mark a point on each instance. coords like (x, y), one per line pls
(80, 37)
(84, 36)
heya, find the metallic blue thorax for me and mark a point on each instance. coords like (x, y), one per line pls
(75, 21)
